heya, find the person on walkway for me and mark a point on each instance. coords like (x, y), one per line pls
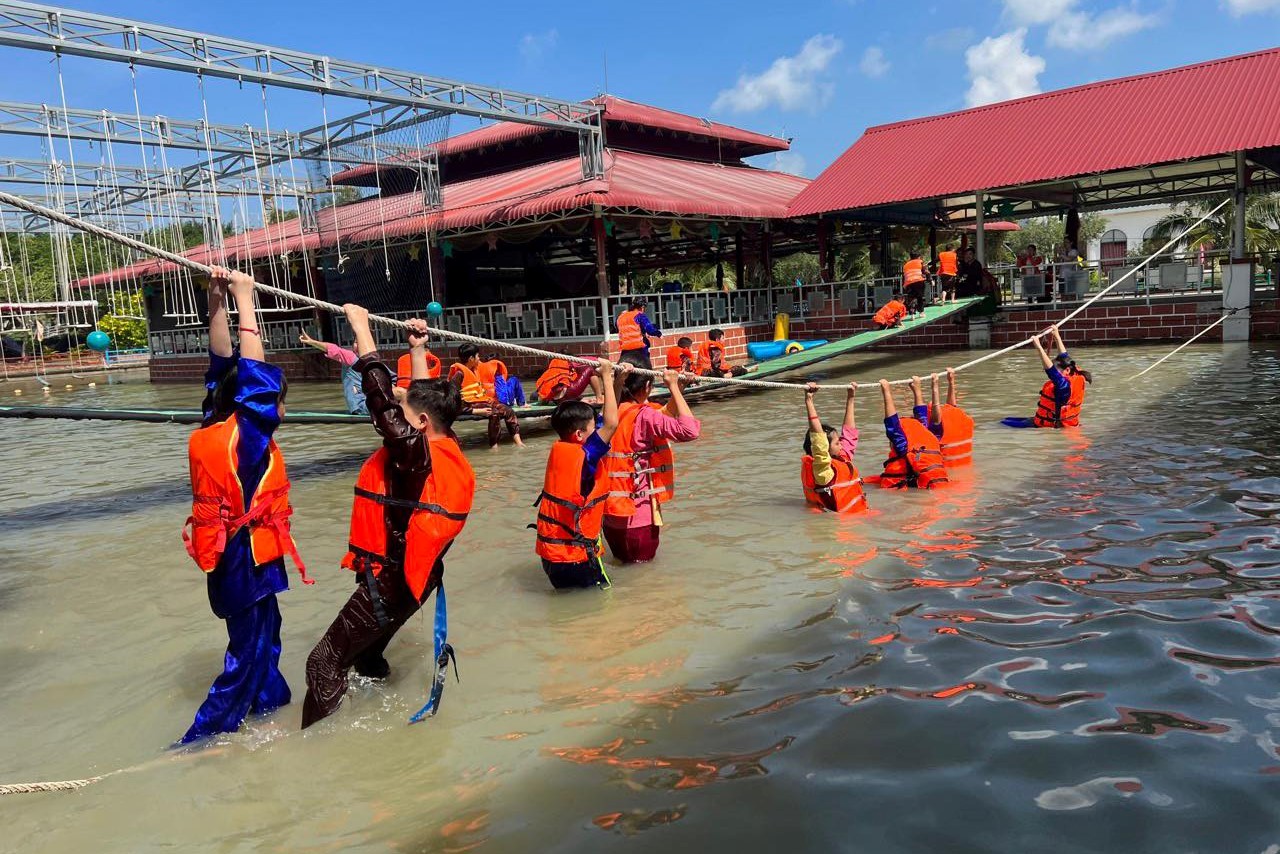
(412, 498)
(711, 360)
(640, 465)
(974, 280)
(635, 334)
(891, 313)
(238, 532)
(951, 424)
(476, 401)
(574, 490)
(914, 281)
(827, 473)
(350, 378)
(915, 454)
(948, 266)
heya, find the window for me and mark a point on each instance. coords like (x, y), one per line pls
(1114, 246)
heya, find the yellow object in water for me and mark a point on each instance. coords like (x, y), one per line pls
(781, 326)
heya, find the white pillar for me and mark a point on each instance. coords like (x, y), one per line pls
(1237, 276)
(979, 236)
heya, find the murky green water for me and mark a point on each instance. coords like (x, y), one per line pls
(1073, 650)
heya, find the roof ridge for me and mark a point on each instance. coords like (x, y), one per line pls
(1055, 93)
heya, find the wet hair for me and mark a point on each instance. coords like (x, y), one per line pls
(637, 303)
(715, 334)
(466, 351)
(572, 415)
(685, 341)
(808, 438)
(1070, 365)
(221, 399)
(440, 399)
(634, 383)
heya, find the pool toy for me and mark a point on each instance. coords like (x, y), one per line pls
(98, 340)
(434, 309)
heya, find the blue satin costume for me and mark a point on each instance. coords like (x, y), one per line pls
(1061, 394)
(242, 595)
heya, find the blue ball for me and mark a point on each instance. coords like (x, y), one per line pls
(434, 309)
(98, 340)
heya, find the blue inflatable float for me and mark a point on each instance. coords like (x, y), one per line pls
(761, 351)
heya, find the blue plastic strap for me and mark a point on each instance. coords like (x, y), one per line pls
(444, 653)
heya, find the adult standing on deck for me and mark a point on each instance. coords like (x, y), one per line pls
(974, 280)
(635, 330)
(913, 283)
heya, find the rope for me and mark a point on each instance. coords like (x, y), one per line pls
(59, 786)
(194, 266)
(1185, 344)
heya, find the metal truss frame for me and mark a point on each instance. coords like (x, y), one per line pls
(25, 170)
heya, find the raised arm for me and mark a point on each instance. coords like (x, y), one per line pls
(953, 393)
(935, 413)
(916, 392)
(1057, 339)
(419, 368)
(681, 406)
(219, 327)
(1044, 357)
(886, 392)
(306, 339)
(815, 423)
(241, 287)
(609, 390)
(849, 420)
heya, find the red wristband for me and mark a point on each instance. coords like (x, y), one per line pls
(249, 330)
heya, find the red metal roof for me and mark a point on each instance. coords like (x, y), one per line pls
(616, 111)
(643, 182)
(1203, 110)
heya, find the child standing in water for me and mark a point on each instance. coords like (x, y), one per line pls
(574, 490)
(1062, 395)
(827, 472)
(412, 498)
(641, 465)
(239, 524)
(915, 455)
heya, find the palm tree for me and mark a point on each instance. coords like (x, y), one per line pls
(1261, 229)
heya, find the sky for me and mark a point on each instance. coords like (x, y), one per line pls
(817, 71)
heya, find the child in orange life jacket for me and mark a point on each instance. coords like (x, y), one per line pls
(404, 369)
(574, 490)
(239, 528)
(641, 465)
(711, 361)
(1062, 395)
(827, 472)
(914, 281)
(680, 357)
(915, 454)
(891, 313)
(951, 424)
(477, 401)
(412, 498)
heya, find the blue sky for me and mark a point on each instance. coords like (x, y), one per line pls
(819, 71)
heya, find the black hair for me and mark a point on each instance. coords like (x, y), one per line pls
(685, 342)
(715, 334)
(915, 253)
(466, 351)
(220, 401)
(808, 440)
(489, 357)
(637, 303)
(572, 415)
(440, 399)
(635, 382)
(1071, 366)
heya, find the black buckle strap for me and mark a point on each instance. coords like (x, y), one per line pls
(389, 501)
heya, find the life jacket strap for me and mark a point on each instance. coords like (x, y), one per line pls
(443, 655)
(390, 501)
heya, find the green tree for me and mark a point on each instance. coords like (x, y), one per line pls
(1047, 233)
(1261, 224)
(122, 320)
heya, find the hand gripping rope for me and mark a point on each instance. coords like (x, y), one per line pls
(187, 263)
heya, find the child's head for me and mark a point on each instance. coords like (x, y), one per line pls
(832, 436)
(637, 303)
(469, 355)
(897, 294)
(637, 387)
(915, 254)
(685, 342)
(1068, 366)
(431, 406)
(715, 334)
(573, 421)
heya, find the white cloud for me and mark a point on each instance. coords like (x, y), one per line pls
(1070, 28)
(1248, 7)
(952, 39)
(790, 83)
(534, 46)
(873, 63)
(788, 161)
(1000, 68)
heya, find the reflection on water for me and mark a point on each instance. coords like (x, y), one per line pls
(1085, 624)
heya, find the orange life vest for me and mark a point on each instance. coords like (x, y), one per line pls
(623, 463)
(472, 389)
(404, 368)
(1047, 412)
(488, 372)
(630, 335)
(957, 436)
(679, 358)
(217, 501)
(568, 524)
(921, 466)
(558, 372)
(703, 366)
(947, 263)
(913, 271)
(890, 313)
(844, 493)
(437, 515)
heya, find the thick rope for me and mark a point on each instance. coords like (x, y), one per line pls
(60, 786)
(1185, 344)
(194, 266)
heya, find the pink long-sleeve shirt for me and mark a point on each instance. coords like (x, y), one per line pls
(341, 355)
(653, 425)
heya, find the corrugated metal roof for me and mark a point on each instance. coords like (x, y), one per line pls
(1203, 110)
(653, 184)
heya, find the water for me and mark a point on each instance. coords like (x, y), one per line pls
(1073, 650)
